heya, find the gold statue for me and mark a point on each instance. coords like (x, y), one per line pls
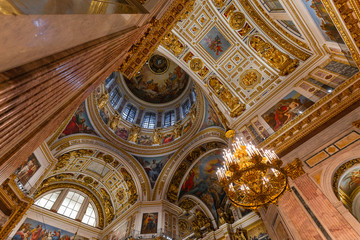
(237, 20)
(193, 113)
(134, 133)
(115, 121)
(240, 234)
(171, 42)
(273, 56)
(103, 100)
(177, 129)
(157, 136)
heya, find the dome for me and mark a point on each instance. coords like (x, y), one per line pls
(159, 81)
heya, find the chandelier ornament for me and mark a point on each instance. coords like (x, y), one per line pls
(251, 177)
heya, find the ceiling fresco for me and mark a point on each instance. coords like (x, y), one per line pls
(159, 81)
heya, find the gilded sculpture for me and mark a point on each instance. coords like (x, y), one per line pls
(134, 133)
(115, 121)
(273, 56)
(236, 107)
(157, 136)
(237, 20)
(172, 43)
(103, 100)
(218, 3)
(177, 129)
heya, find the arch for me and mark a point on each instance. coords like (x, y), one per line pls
(94, 197)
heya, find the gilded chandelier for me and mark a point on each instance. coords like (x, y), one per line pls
(252, 177)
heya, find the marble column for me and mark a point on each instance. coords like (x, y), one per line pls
(37, 97)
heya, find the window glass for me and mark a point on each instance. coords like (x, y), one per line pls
(48, 200)
(149, 120)
(129, 113)
(71, 205)
(186, 107)
(89, 217)
(114, 97)
(169, 118)
(109, 79)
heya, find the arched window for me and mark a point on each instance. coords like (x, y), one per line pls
(186, 107)
(115, 97)
(149, 120)
(89, 217)
(169, 118)
(71, 204)
(129, 113)
(48, 200)
(109, 79)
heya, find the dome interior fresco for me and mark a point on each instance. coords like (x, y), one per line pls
(160, 80)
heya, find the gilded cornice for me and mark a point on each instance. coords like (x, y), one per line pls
(277, 38)
(350, 21)
(328, 107)
(91, 194)
(146, 45)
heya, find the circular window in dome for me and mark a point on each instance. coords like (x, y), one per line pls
(158, 64)
(159, 81)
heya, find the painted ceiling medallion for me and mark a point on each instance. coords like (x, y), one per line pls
(237, 20)
(215, 43)
(158, 64)
(159, 81)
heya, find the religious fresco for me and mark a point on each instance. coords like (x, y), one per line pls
(202, 182)
(149, 223)
(323, 20)
(144, 140)
(286, 109)
(350, 181)
(153, 166)
(27, 169)
(104, 114)
(161, 87)
(79, 123)
(215, 43)
(210, 118)
(169, 137)
(341, 68)
(122, 133)
(34, 230)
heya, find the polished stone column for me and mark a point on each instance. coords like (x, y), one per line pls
(37, 97)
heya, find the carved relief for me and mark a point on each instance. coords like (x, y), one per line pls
(236, 107)
(273, 56)
(250, 78)
(196, 64)
(172, 43)
(237, 20)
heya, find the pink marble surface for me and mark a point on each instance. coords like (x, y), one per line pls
(28, 38)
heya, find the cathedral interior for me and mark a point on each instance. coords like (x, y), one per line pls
(114, 116)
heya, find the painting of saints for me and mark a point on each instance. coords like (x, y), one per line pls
(153, 166)
(168, 138)
(122, 133)
(79, 123)
(350, 181)
(27, 169)
(149, 223)
(215, 43)
(286, 109)
(202, 182)
(211, 118)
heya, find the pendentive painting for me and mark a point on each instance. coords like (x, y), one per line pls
(149, 223)
(211, 118)
(215, 43)
(323, 20)
(202, 182)
(79, 123)
(32, 229)
(27, 169)
(351, 181)
(286, 109)
(153, 166)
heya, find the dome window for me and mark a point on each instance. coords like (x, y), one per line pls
(149, 120)
(129, 113)
(169, 118)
